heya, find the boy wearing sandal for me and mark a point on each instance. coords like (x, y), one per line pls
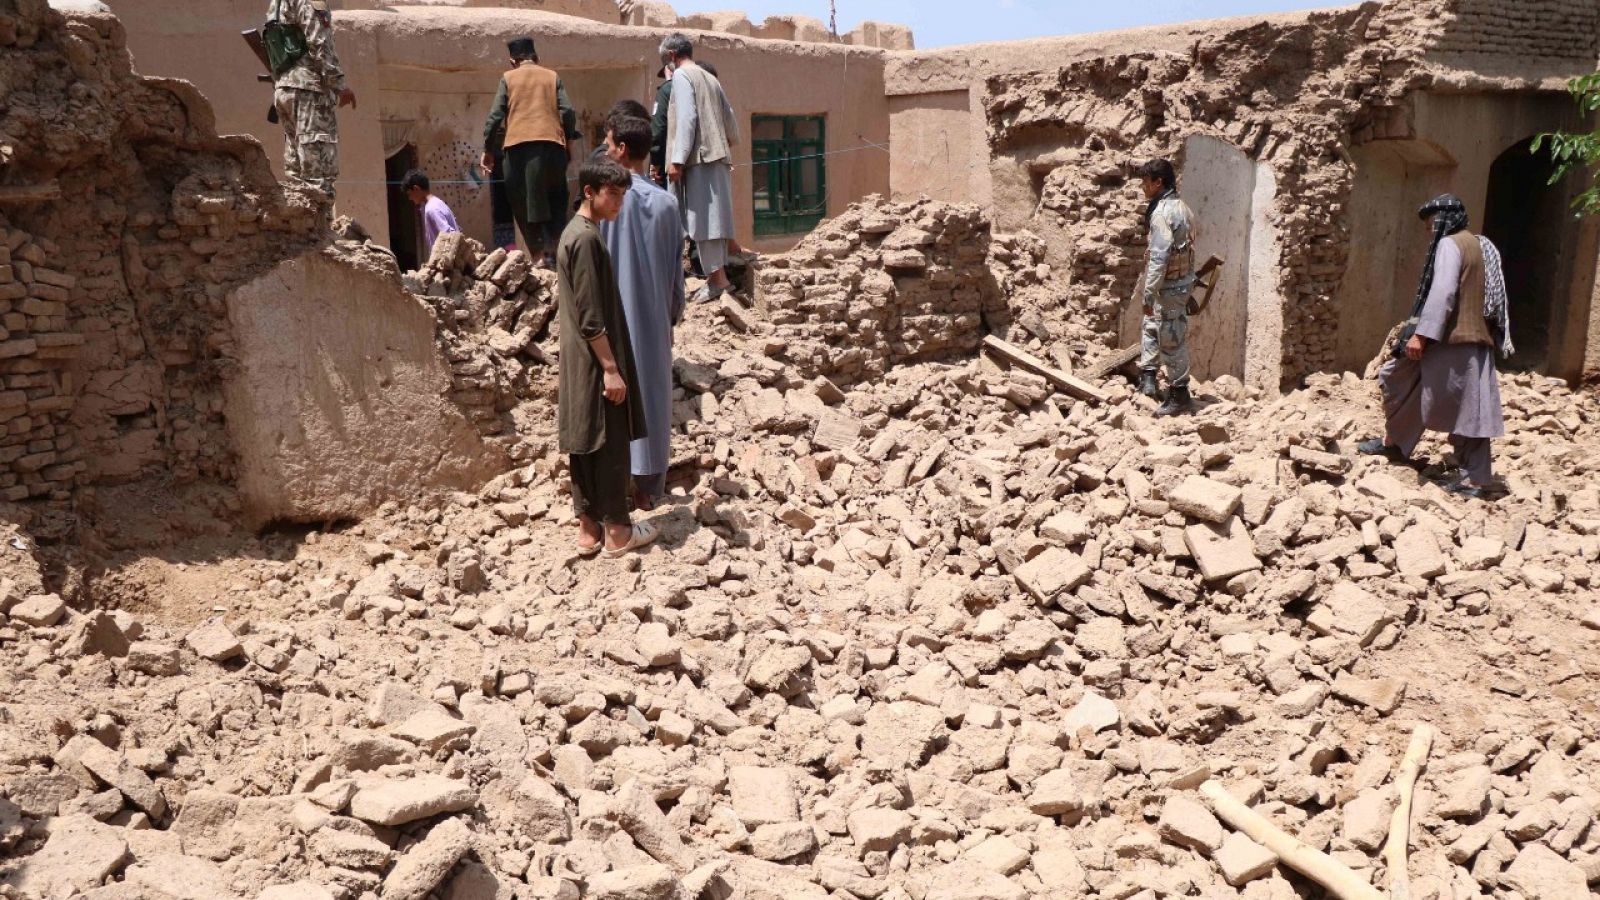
(600, 413)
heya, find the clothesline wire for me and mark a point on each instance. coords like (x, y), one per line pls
(765, 162)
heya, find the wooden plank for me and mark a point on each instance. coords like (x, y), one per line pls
(1068, 384)
(30, 193)
(1105, 367)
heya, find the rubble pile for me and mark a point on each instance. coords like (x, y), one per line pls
(1291, 95)
(943, 635)
(494, 310)
(889, 283)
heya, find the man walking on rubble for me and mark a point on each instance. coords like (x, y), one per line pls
(533, 122)
(308, 87)
(1164, 294)
(701, 130)
(646, 243)
(1442, 375)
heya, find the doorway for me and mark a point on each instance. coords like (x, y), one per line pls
(1528, 220)
(403, 236)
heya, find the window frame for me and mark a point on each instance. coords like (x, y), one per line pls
(794, 211)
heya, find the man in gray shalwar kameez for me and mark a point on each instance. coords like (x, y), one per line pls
(1444, 378)
(701, 130)
(646, 244)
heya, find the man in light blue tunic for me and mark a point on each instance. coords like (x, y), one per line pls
(701, 132)
(646, 244)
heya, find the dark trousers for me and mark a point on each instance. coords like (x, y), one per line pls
(600, 479)
(536, 185)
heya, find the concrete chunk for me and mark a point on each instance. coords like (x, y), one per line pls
(1187, 823)
(762, 795)
(114, 769)
(214, 641)
(1051, 573)
(78, 857)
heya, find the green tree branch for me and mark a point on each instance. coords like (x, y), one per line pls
(1577, 152)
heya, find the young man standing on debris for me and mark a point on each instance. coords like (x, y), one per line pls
(1442, 377)
(646, 243)
(306, 95)
(701, 130)
(599, 409)
(436, 216)
(534, 124)
(1168, 281)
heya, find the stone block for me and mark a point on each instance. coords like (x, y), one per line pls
(396, 801)
(1188, 823)
(1243, 860)
(214, 641)
(1381, 694)
(1222, 552)
(428, 861)
(1051, 573)
(762, 795)
(1203, 498)
(40, 610)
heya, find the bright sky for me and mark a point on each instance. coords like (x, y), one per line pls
(939, 23)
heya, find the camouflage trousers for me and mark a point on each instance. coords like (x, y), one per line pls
(1164, 340)
(310, 137)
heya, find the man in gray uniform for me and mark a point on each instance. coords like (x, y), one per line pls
(306, 94)
(1168, 281)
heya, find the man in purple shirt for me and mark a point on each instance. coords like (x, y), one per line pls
(436, 215)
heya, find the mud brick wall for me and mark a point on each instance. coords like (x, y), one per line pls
(38, 454)
(887, 284)
(115, 343)
(1560, 29)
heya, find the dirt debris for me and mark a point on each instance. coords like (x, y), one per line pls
(919, 626)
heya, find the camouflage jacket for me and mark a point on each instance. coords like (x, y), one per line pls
(319, 69)
(1169, 264)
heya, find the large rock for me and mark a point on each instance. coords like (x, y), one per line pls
(79, 855)
(1051, 573)
(651, 882)
(423, 866)
(1222, 551)
(964, 880)
(180, 877)
(1209, 501)
(762, 796)
(114, 769)
(396, 801)
(1539, 873)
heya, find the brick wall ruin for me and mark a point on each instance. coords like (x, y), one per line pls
(1284, 94)
(126, 224)
(892, 283)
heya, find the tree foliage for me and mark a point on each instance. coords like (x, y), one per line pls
(1578, 152)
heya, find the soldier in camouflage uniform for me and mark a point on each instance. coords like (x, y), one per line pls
(1169, 280)
(306, 96)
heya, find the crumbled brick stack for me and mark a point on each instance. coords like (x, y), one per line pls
(891, 283)
(1528, 29)
(493, 309)
(38, 455)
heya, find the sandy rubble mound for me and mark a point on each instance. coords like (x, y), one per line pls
(943, 634)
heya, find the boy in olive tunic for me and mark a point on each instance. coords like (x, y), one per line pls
(600, 412)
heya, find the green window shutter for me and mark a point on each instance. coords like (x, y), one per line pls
(790, 173)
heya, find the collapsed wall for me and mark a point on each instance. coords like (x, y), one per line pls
(894, 283)
(127, 223)
(1285, 95)
(172, 315)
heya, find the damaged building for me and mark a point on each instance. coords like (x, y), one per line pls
(291, 606)
(1305, 140)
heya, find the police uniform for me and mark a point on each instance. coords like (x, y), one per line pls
(307, 96)
(1168, 283)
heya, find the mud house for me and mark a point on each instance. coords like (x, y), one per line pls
(1306, 139)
